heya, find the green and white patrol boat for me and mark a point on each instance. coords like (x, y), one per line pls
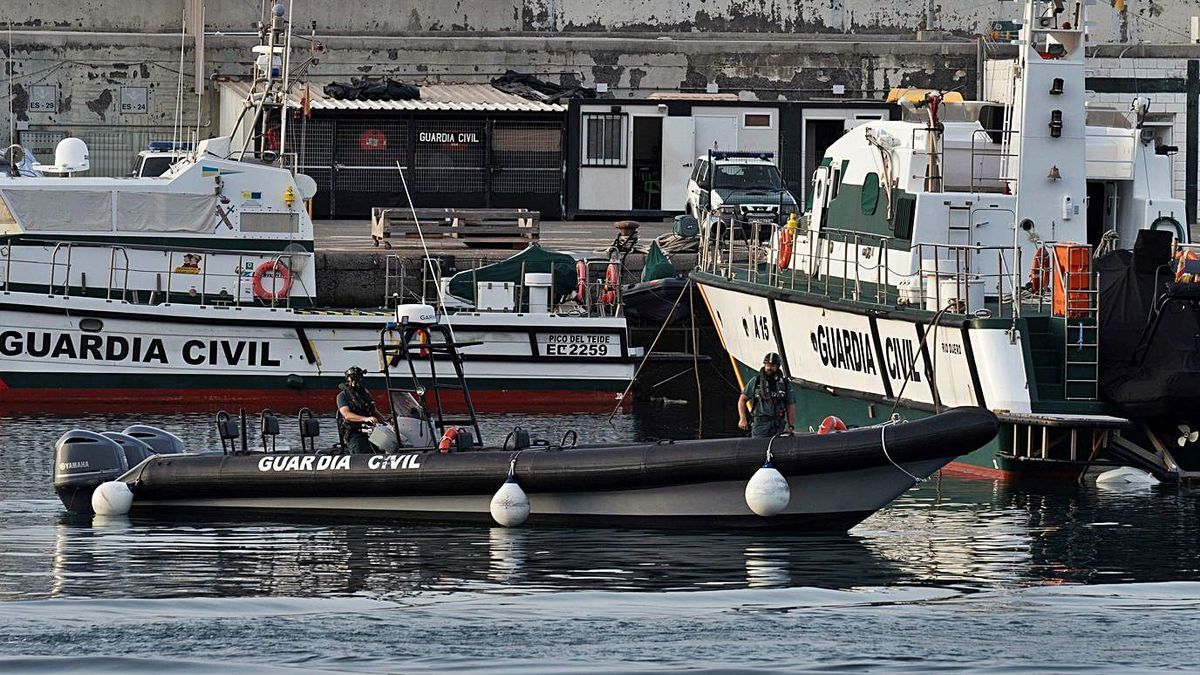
(965, 255)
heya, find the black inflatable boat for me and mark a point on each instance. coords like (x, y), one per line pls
(811, 482)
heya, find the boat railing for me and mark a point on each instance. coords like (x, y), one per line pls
(601, 291)
(63, 264)
(865, 267)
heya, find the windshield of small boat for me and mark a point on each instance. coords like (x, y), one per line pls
(747, 177)
(406, 405)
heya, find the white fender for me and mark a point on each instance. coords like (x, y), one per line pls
(112, 498)
(767, 491)
(510, 505)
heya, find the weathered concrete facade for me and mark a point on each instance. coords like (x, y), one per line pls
(87, 71)
(1126, 21)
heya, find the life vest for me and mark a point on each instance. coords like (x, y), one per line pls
(1187, 266)
(770, 395)
(581, 284)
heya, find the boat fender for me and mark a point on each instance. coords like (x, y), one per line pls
(278, 292)
(767, 491)
(447, 443)
(581, 283)
(510, 504)
(1126, 475)
(831, 424)
(112, 498)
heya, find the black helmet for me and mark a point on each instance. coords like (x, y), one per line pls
(355, 374)
(773, 359)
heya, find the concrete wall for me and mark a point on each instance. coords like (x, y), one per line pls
(1155, 21)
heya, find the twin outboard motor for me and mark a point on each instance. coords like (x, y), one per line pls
(84, 459)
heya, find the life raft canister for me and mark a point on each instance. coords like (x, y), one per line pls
(612, 279)
(277, 269)
(831, 424)
(447, 443)
(786, 238)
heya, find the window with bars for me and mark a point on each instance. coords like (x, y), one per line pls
(603, 139)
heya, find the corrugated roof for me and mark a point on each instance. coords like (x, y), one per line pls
(434, 97)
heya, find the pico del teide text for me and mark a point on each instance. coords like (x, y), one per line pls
(1027, 258)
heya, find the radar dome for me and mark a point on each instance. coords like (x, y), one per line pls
(70, 156)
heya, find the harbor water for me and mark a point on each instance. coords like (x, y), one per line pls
(955, 575)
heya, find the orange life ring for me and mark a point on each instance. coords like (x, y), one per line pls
(786, 237)
(830, 425)
(581, 284)
(1039, 273)
(612, 279)
(422, 337)
(447, 442)
(279, 269)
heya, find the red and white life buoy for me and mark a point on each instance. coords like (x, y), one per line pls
(279, 289)
(786, 237)
(831, 424)
(612, 279)
(581, 284)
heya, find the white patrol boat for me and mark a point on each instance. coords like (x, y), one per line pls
(199, 284)
(1021, 258)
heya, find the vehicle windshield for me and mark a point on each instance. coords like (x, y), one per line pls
(747, 177)
(157, 165)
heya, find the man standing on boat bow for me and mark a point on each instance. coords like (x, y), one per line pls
(773, 403)
(357, 407)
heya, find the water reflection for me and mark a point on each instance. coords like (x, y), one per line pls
(957, 533)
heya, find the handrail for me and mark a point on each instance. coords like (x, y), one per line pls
(120, 267)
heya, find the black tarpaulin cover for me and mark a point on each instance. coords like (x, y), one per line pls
(534, 259)
(1163, 379)
(372, 90)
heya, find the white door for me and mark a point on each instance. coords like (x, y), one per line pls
(715, 133)
(678, 143)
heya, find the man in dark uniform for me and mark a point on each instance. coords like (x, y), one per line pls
(773, 403)
(357, 408)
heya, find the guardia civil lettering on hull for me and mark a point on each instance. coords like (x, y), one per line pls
(1026, 256)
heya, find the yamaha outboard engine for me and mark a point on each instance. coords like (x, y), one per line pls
(135, 449)
(82, 461)
(161, 442)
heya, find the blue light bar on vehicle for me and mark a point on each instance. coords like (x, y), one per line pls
(167, 146)
(721, 154)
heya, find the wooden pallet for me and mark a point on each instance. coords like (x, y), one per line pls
(398, 222)
(495, 228)
(475, 228)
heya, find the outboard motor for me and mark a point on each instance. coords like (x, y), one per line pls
(136, 450)
(162, 442)
(82, 461)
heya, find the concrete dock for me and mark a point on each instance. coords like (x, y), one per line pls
(351, 269)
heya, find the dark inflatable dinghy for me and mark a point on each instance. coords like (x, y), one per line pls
(807, 482)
